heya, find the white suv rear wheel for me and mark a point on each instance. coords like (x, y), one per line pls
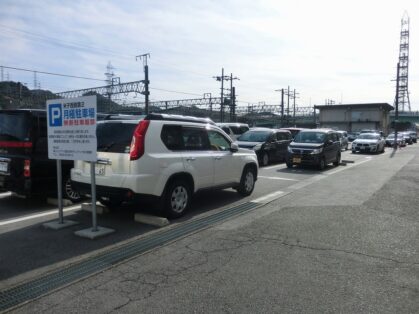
(247, 182)
(178, 199)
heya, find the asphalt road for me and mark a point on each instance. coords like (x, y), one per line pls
(341, 240)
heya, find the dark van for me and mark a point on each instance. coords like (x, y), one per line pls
(24, 165)
(268, 144)
(314, 147)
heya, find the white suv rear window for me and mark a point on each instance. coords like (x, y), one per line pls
(114, 137)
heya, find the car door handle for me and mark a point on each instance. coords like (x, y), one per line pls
(190, 158)
(104, 161)
(218, 158)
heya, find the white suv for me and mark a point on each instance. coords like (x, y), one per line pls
(165, 158)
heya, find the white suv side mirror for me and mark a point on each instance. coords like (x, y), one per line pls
(234, 147)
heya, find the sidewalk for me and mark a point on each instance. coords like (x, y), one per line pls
(348, 243)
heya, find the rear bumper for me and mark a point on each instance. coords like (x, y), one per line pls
(21, 186)
(122, 194)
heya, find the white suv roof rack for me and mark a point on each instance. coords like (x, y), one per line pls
(173, 117)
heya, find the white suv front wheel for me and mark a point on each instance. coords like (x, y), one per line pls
(178, 199)
(247, 182)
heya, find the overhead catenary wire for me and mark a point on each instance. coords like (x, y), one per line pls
(93, 79)
(51, 73)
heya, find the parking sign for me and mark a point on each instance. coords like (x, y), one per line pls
(72, 128)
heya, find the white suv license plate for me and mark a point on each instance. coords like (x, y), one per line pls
(100, 170)
(3, 166)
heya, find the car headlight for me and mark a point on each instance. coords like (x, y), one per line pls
(316, 151)
(289, 149)
(257, 147)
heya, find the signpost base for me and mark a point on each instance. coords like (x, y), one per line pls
(90, 234)
(56, 225)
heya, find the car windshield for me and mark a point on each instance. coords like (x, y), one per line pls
(310, 137)
(255, 136)
(367, 136)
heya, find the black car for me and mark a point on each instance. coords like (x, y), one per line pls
(407, 137)
(24, 165)
(314, 147)
(294, 131)
(414, 136)
(268, 144)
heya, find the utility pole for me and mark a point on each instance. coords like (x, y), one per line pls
(222, 96)
(294, 97)
(288, 94)
(396, 116)
(232, 96)
(109, 79)
(282, 105)
(208, 95)
(221, 79)
(114, 81)
(146, 81)
(2, 74)
(233, 104)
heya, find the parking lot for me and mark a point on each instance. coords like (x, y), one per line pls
(21, 219)
(29, 250)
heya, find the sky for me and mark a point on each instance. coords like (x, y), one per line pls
(345, 51)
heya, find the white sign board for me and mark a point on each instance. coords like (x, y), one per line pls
(72, 128)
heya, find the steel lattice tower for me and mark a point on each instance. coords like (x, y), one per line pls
(403, 77)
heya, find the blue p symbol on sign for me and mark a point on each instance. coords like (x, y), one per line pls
(55, 115)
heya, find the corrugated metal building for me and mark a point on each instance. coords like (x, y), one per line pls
(355, 117)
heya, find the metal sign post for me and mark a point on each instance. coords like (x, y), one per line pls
(94, 213)
(60, 192)
(61, 223)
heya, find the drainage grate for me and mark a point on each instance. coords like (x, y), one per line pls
(46, 283)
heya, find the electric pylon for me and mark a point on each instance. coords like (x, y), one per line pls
(403, 76)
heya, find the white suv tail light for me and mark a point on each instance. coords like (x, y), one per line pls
(138, 140)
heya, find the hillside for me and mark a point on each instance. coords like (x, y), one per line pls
(15, 95)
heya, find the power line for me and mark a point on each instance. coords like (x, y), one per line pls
(177, 92)
(74, 45)
(93, 79)
(50, 73)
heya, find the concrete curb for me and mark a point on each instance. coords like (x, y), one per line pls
(151, 220)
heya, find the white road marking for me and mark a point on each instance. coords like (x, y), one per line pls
(267, 198)
(48, 213)
(347, 167)
(273, 167)
(277, 178)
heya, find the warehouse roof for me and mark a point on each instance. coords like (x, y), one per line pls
(383, 105)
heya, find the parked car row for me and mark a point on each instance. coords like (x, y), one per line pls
(162, 159)
(403, 138)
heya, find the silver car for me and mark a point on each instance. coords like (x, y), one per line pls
(368, 143)
(343, 138)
